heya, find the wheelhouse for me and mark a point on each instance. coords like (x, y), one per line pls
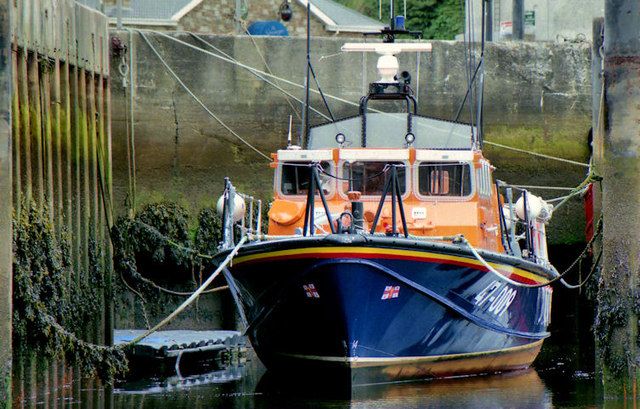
(443, 191)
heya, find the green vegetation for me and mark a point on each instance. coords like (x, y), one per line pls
(437, 19)
(156, 249)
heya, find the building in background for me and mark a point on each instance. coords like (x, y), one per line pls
(544, 20)
(235, 16)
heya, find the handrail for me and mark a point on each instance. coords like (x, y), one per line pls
(527, 225)
(391, 96)
(396, 195)
(309, 211)
(504, 236)
(228, 215)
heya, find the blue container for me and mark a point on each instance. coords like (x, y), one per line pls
(267, 28)
(399, 22)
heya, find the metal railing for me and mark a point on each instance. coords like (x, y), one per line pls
(249, 223)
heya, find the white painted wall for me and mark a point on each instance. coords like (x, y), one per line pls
(555, 20)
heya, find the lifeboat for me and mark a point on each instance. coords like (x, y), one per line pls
(391, 252)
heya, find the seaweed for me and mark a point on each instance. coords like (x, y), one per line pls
(48, 299)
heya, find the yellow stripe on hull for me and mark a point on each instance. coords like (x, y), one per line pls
(378, 252)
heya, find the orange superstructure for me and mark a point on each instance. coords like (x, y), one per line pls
(431, 206)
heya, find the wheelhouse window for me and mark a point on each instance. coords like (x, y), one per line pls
(370, 178)
(294, 178)
(444, 179)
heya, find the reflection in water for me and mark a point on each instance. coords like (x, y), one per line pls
(496, 391)
(249, 386)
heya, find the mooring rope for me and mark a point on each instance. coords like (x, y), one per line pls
(188, 90)
(488, 266)
(559, 277)
(266, 65)
(193, 296)
(540, 155)
(543, 187)
(172, 242)
(179, 246)
(578, 190)
(273, 84)
(288, 82)
(594, 267)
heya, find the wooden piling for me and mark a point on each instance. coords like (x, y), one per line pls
(6, 195)
(25, 125)
(619, 162)
(67, 161)
(56, 102)
(60, 77)
(45, 67)
(16, 137)
(35, 118)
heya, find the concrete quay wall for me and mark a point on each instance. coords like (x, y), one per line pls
(537, 97)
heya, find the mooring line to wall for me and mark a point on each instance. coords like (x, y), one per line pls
(266, 65)
(273, 84)
(283, 80)
(540, 155)
(193, 296)
(214, 116)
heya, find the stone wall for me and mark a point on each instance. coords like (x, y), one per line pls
(217, 17)
(538, 97)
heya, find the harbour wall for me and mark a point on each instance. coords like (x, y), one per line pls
(537, 98)
(55, 179)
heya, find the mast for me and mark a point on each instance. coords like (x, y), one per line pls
(392, 15)
(480, 84)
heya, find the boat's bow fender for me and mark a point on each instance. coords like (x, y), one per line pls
(285, 212)
(345, 239)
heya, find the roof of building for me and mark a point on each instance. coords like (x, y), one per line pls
(337, 17)
(148, 12)
(333, 15)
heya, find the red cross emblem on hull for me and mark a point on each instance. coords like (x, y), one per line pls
(390, 292)
(311, 291)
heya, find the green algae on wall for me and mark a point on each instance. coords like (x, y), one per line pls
(51, 311)
(161, 255)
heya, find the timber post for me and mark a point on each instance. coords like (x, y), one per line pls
(6, 203)
(617, 158)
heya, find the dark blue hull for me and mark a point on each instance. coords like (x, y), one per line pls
(387, 311)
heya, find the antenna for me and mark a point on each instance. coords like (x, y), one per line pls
(396, 25)
(289, 135)
(305, 113)
(480, 87)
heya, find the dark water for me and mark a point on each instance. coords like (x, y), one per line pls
(563, 377)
